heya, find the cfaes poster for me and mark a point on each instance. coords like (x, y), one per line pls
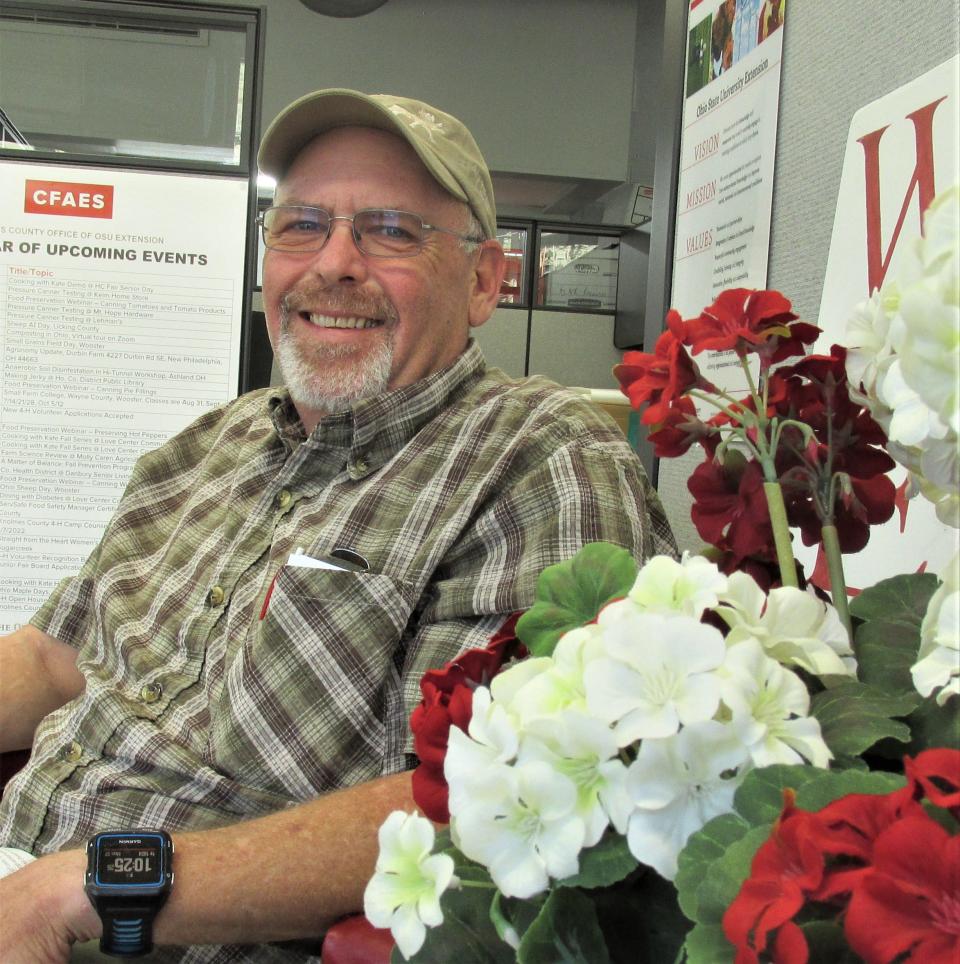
(121, 301)
(727, 153)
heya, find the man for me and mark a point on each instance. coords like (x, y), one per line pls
(203, 675)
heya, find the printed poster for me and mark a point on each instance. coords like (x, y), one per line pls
(727, 154)
(121, 301)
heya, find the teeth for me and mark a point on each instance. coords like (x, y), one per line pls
(327, 321)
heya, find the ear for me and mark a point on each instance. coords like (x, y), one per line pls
(488, 270)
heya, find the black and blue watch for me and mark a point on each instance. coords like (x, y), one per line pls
(129, 877)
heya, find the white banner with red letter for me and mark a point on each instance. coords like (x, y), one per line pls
(901, 152)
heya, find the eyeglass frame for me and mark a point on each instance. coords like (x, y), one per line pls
(424, 226)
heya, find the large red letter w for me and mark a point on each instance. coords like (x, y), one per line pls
(922, 180)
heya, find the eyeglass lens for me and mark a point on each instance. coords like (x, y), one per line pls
(379, 233)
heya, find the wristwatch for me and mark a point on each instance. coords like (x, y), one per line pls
(128, 879)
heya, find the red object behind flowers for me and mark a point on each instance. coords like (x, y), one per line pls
(448, 700)
(881, 860)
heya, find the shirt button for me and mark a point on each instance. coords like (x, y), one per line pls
(215, 596)
(72, 752)
(151, 692)
(360, 466)
(284, 499)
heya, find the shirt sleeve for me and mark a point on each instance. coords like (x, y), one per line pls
(582, 492)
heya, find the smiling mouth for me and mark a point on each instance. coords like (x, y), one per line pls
(331, 321)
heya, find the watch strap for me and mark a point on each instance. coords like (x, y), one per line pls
(127, 928)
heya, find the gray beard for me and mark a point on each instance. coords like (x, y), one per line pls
(332, 378)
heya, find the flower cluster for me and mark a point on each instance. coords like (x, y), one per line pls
(904, 357)
(879, 860)
(640, 723)
(796, 436)
(644, 720)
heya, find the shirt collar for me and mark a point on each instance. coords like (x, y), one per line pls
(373, 430)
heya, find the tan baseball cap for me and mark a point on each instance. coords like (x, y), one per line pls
(445, 146)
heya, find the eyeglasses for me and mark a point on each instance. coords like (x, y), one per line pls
(376, 232)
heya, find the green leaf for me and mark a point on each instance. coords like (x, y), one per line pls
(724, 877)
(827, 943)
(934, 725)
(854, 716)
(571, 594)
(885, 652)
(759, 799)
(467, 934)
(640, 919)
(706, 945)
(565, 932)
(604, 864)
(708, 844)
(900, 599)
(830, 785)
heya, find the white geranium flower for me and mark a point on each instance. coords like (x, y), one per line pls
(912, 420)
(657, 672)
(904, 347)
(404, 892)
(677, 785)
(770, 706)
(557, 686)
(938, 662)
(868, 342)
(525, 830)
(690, 586)
(584, 750)
(793, 626)
(492, 743)
(928, 338)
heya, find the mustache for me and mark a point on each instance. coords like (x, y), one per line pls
(329, 299)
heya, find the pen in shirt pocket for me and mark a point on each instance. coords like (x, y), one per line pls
(343, 559)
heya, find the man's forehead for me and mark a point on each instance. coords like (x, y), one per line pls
(341, 153)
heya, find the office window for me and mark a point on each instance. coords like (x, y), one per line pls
(110, 80)
(577, 271)
(513, 290)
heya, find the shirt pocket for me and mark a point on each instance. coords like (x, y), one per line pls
(304, 699)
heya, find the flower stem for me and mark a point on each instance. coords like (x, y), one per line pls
(838, 586)
(781, 533)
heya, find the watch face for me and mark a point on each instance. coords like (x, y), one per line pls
(135, 859)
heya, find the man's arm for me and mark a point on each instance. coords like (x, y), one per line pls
(38, 674)
(281, 877)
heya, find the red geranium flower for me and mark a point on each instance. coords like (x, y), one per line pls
(663, 376)
(909, 903)
(448, 700)
(679, 429)
(744, 320)
(786, 868)
(730, 508)
(937, 773)
(851, 826)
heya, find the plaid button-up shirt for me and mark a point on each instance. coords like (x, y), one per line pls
(222, 683)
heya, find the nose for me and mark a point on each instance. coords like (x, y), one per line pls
(340, 260)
